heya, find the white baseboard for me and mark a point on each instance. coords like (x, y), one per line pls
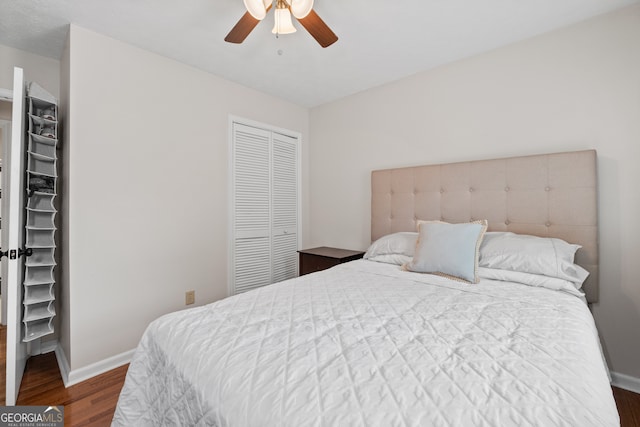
(76, 376)
(63, 365)
(626, 382)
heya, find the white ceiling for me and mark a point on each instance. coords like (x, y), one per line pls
(380, 41)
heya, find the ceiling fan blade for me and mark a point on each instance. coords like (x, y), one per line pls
(244, 26)
(318, 29)
(241, 30)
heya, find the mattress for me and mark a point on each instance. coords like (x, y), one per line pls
(366, 344)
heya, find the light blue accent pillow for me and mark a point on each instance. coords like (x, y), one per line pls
(449, 250)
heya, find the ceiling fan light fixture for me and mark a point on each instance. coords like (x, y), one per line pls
(256, 8)
(283, 24)
(300, 8)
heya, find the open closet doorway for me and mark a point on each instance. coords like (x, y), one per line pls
(29, 297)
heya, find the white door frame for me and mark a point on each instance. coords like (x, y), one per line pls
(6, 95)
(5, 128)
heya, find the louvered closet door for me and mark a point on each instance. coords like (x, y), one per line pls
(252, 193)
(285, 207)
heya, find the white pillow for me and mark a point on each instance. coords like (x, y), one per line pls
(396, 248)
(449, 250)
(530, 254)
(529, 279)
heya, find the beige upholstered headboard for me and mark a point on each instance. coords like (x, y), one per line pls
(551, 195)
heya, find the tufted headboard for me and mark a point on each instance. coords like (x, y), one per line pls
(550, 195)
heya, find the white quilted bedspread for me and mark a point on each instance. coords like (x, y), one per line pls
(365, 344)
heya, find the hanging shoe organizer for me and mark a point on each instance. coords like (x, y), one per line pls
(39, 295)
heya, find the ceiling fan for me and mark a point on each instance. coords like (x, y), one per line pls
(302, 10)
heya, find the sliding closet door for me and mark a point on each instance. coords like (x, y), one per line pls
(264, 207)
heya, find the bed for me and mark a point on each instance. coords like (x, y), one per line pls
(368, 343)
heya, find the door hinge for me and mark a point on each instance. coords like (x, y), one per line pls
(13, 254)
(27, 252)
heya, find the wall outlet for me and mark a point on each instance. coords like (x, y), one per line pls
(190, 297)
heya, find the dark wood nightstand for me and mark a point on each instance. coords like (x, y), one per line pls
(317, 259)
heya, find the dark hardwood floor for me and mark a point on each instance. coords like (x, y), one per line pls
(90, 403)
(93, 402)
(628, 407)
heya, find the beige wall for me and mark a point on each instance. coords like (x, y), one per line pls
(576, 88)
(147, 190)
(45, 71)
